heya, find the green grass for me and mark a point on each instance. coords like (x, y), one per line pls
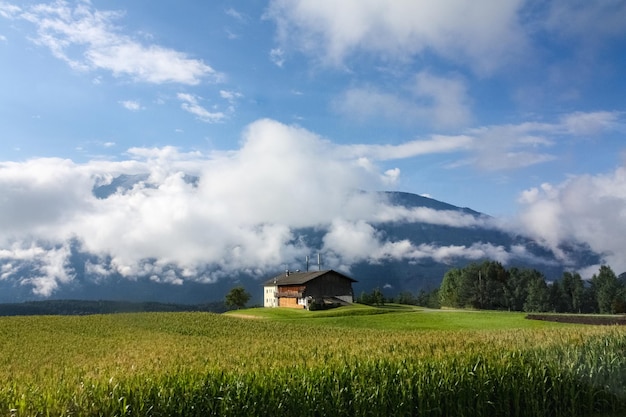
(351, 361)
(399, 317)
(300, 314)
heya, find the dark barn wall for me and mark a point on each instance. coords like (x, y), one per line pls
(329, 285)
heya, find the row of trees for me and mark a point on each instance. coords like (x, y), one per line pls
(84, 307)
(422, 298)
(489, 285)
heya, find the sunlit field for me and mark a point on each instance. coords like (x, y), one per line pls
(345, 362)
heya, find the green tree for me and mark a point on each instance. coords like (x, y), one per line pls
(480, 286)
(407, 297)
(428, 299)
(556, 300)
(538, 298)
(589, 300)
(607, 290)
(571, 294)
(377, 297)
(496, 279)
(237, 297)
(516, 290)
(449, 291)
(483, 285)
(364, 298)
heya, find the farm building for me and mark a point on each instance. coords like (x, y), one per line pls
(301, 289)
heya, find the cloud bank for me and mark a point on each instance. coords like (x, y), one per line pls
(483, 36)
(195, 216)
(480, 34)
(585, 208)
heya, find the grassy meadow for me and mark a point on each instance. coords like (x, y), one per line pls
(359, 360)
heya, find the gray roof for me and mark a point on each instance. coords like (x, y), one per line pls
(298, 278)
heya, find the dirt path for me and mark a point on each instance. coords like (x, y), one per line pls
(245, 316)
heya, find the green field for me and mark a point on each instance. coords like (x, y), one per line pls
(359, 360)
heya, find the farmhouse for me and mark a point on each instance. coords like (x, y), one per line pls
(301, 289)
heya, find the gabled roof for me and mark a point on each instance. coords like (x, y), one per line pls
(298, 278)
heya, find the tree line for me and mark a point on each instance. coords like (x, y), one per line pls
(488, 285)
(86, 307)
(423, 298)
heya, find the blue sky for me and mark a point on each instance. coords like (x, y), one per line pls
(514, 108)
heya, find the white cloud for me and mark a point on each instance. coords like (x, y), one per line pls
(367, 102)
(439, 101)
(499, 147)
(391, 176)
(427, 215)
(491, 148)
(131, 105)
(507, 147)
(448, 97)
(586, 208)
(435, 101)
(29, 186)
(436, 144)
(9, 11)
(88, 39)
(590, 124)
(191, 105)
(352, 239)
(243, 211)
(240, 215)
(587, 19)
(482, 34)
(231, 97)
(48, 267)
(277, 56)
(235, 14)
(349, 242)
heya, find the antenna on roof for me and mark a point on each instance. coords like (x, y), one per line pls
(307, 263)
(319, 261)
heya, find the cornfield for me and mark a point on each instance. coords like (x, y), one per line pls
(199, 364)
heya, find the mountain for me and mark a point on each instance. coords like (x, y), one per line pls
(396, 276)
(440, 236)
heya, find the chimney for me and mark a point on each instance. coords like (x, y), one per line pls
(286, 272)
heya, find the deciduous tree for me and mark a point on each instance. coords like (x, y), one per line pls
(237, 297)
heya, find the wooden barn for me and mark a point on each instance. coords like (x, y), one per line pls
(301, 289)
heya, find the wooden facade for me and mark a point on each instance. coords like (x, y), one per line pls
(290, 302)
(300, 289)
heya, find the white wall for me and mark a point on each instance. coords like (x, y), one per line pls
(269, 296)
